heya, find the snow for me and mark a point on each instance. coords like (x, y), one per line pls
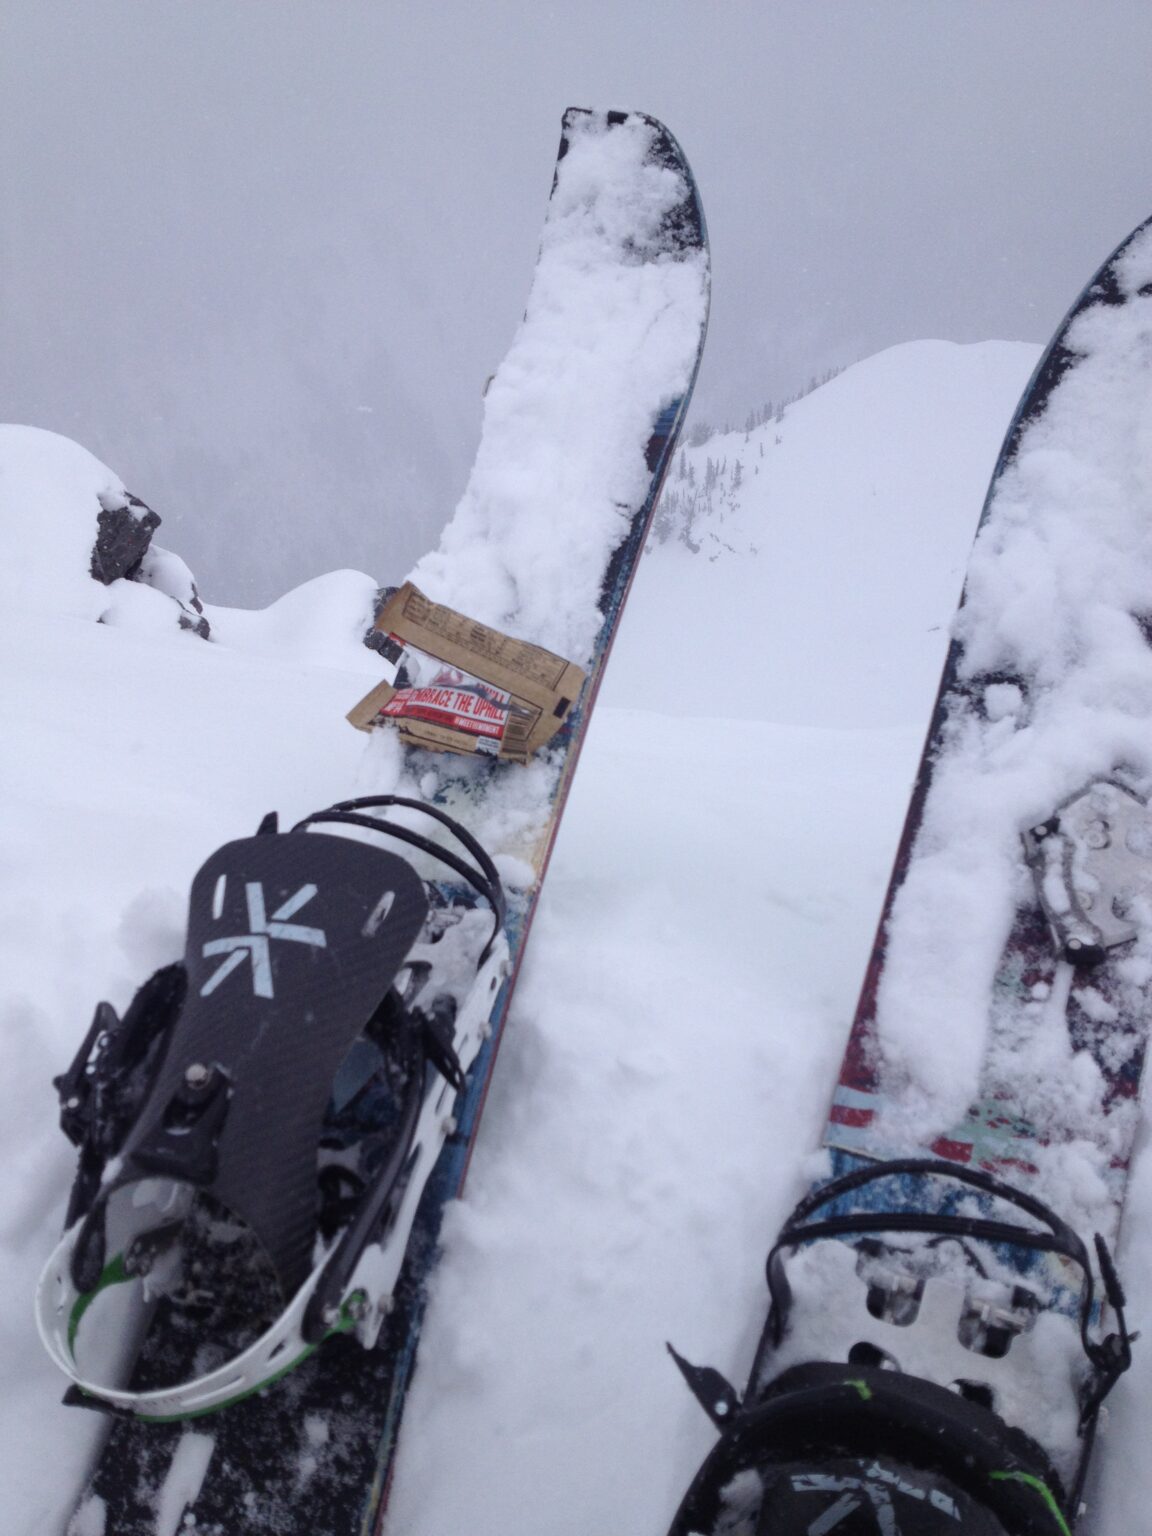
(1053, 602)
(51, 494)
(847, 547)
(322, 623)
(670, 1056)
(602, 337)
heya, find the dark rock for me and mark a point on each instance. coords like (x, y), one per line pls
(124, 529)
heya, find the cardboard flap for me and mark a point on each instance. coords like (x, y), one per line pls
(459, 686)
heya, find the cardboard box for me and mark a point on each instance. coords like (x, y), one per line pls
(459, 686)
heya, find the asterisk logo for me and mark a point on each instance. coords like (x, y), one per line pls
(257, 944)
(868, 1492)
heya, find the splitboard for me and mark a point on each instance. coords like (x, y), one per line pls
(580, 424)
(945, 1316)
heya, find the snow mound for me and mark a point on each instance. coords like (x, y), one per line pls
(321, 623)
(71, 530)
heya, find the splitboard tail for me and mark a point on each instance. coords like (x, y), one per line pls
(269, 1135)
(946, 1319)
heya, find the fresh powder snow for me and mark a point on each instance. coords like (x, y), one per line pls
(677, 1028)
(609, 328)
(1059, 583)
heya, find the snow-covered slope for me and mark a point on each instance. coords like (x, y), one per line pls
(831, 546)
(690, 979)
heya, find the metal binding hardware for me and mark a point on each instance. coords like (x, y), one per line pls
(816, 1217)
(989, 1323)
(1091, 860)
(894, 1293)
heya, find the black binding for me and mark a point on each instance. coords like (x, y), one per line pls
(1110, 1356)
(109, 1095)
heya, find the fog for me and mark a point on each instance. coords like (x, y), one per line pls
(262, 257)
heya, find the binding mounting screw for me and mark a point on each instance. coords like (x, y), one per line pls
(1098, 835)
(196, 1076)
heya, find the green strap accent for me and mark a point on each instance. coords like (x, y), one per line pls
(343, 1324)
(862, 1387)
(116, 1273)
(1041, 1487)
(113, 1273)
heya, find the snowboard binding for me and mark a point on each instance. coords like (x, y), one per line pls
(256, 1132)
(872, 1452)
(921, 1333)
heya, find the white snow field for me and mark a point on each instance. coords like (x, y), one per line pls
(691, 975)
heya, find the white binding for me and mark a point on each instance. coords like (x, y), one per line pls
(283, 1345)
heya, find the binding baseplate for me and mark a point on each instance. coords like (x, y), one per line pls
(256, 1132)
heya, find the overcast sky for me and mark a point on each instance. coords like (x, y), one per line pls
(260, 255)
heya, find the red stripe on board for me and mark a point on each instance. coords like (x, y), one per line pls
(841, 1115)
(952, 1151)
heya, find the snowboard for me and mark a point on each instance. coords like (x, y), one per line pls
(947, 1282)
(580, 424)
